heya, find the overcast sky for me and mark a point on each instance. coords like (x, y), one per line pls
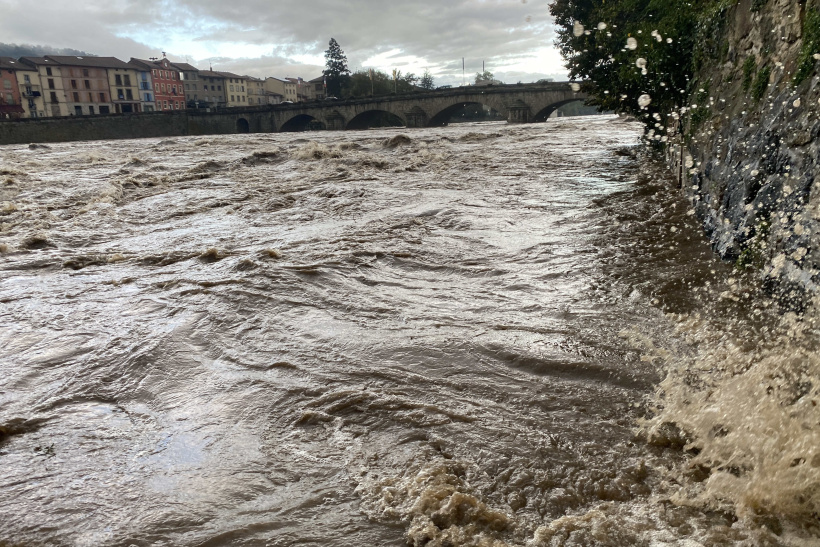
(288, 37)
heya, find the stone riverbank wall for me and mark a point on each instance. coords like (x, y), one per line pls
(159, 124)
(751, 152)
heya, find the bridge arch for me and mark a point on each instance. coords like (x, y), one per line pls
(376, 118)
(243, 126)
(301, 122)
(545, 112)
(443, 116)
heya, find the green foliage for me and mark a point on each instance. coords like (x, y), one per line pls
(753, 256)
(666, 34)
(427, 81)
(711, 41)
(485, 76)
(703, 111)
(761, 83)
(336, 72)
(365, 83)
(749, 69)
(811, 45)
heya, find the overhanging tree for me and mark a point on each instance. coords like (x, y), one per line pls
(635, 56)
(336, 72)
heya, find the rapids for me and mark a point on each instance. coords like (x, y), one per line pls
(482, 334)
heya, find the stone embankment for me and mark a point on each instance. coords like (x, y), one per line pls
(751, 149)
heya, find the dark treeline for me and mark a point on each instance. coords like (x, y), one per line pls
(30, 50)
(375, 82)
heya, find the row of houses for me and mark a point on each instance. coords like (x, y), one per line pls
(55, 85)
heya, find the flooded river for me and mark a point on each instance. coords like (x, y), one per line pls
(474, 335)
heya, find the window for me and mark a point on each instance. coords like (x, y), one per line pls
(129, 95)
(73, 84)
(127, 80)
(175, 90)
(78, 110)
(26, 79)
(231, 88)
(76, 97)
(156, 88)
(91, 97)
(85, 75)
(219, 88)
(54, 97)
(154, 72)
(176, 105)
(87, 84)
(48, 71)
(90, 109)
(50, 83)
(102, 100)
(162, 86)
(243, 89)
(159, 105)
(232, 99)
(212, 88)
(7, 84)
(118, 79)
(105, 110)
(9, 98)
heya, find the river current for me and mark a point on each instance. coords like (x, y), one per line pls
(474, 335)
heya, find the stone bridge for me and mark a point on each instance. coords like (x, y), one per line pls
(519, 103)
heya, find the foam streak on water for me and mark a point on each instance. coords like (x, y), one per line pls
(427, 337)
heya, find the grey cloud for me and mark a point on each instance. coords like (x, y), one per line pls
(440, 33)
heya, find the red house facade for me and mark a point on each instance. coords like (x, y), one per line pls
(168, 85)
(10, 105)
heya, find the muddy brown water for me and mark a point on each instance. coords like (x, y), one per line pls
(429, 337)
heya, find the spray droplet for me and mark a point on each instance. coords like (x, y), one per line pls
(577, 28)
(796, 102)
(575, 86)
(644, 100)
(601, 26)
(631, 43)
(640, 62)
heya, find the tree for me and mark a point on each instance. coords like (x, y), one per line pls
(364, 83)
(427, 81)
(636, 56)
(336, 72)
(485, 76)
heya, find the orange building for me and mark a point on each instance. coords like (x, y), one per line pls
(10, 106)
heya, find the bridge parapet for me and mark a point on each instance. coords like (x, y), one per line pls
(519, 103)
